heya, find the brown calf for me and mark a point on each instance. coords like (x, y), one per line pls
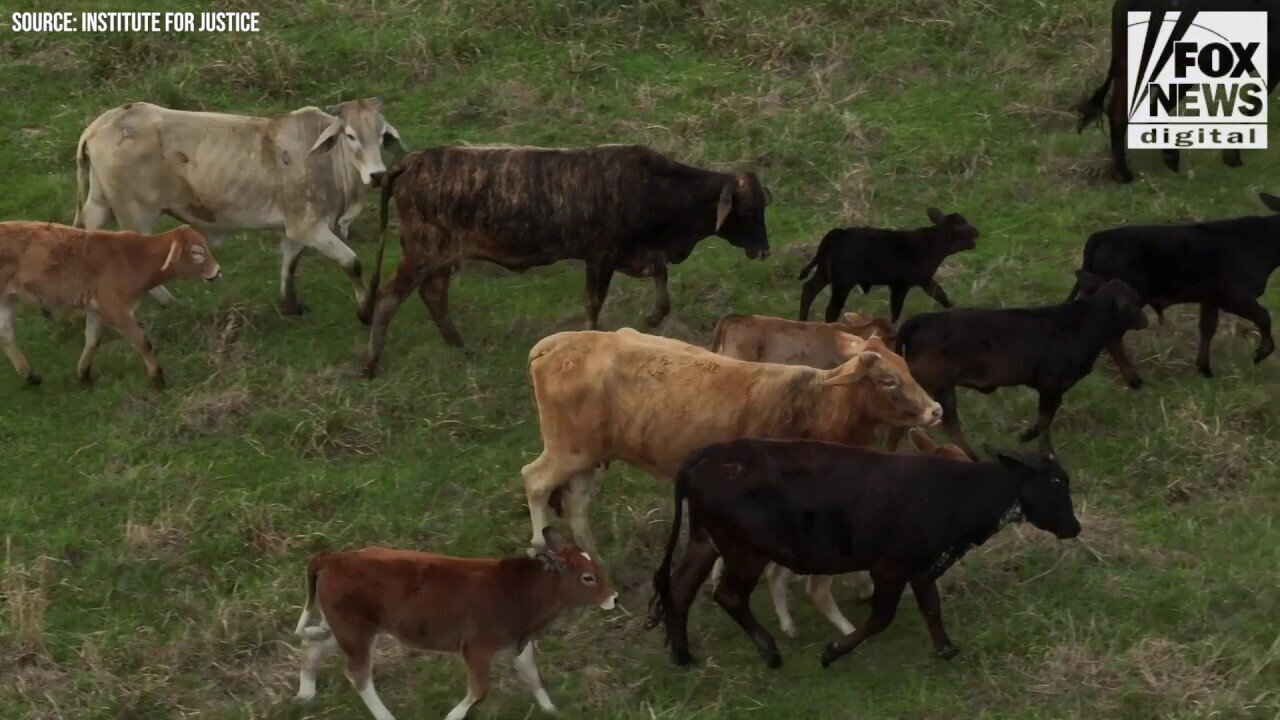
(476, 607)
(760, 338)
(103, 273)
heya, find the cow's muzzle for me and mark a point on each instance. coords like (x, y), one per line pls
(375, 180)
(217, 274)
(932, 416)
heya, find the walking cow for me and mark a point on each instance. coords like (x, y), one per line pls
(305, 172)
(615, 207)
(1091, 108)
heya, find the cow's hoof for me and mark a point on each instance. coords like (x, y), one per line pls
(1028, 435)
(948, 652)
(772, 659)
(370, 371)
(1135, 383)
(304, 699)
(829, 655)
(158, 379)
(683, 658)
(655, 319)
(364, 319)
(293, 307)
(1122, 176)
(1262, 354)
(86, 377)
(1205, 370)
(33, 379)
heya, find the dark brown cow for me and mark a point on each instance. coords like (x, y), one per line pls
(615, 207)
(476, 607)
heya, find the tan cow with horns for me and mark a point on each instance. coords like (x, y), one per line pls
(650, 401)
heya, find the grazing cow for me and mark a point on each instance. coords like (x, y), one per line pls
(650, 401)
(476, 607)
(305, 172)
(902, 259)
(1048, 349)
(818, 587)
(101, 272)
(822, 509)
(1091, 108)
(615, 207)
(760, 338)
(1222, 265)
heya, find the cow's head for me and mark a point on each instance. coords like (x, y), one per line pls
(864, 326)
(887, 390)
(359, 132)
(957, 234)
(1044, 490)
(740, 214)
(189, 255)
(581, 582)
(1271, 201)
(1128, 304)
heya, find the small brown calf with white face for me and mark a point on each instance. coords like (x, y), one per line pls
(475, 607)
(100, 272)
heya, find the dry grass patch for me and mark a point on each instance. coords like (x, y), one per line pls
(166, 534)
(24, 600)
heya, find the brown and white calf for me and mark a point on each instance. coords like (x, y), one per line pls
(103, 273)
(760, 338)
(478, 608)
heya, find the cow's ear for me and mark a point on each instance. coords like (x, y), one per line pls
(936, 216)
(861, 363)
(1271, 201)
(325, 142)
(849, 344)
(391, 138)
(724, 205)
(1010, 460)
(923, 442)
(1087, 281)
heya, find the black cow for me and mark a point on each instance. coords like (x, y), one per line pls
(902, 259)
(1222, 265)
(1090, 109)
(822, 509)
(1048, 349)
(615, 207)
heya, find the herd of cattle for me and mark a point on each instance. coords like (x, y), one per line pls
(766, 434)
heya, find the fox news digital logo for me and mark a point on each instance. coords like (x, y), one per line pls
(1197, 80)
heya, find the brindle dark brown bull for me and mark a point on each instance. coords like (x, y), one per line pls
(616, 207)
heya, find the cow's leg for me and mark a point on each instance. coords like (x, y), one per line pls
(661, 297)
(1050, 401)
(360, 673)
(1249, 309)
(884, 605)
(331, 246)
(528, 671)
(1208, 326)
(818, 589)
(543, 476)
(313, 652)
(935, 291)
(408, 276)
(124, 323)
(741, 573)
(951, 419)
(1120, 357)
(598, 279)
(290, 255)
(9, 340)
(435, 295)
(1119, 121)
(1231, 158)
(577, 498)
(96, 214)
(699, 555)
(478, 661)
(777, 578)
(862, 585)
(897, 297)
(811, 288)
(1171, 159)
(926, 592)
(839, 295)
(92, 336)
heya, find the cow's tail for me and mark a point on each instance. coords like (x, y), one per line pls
(722, 329)
(905, 332)
(371, 297)
(1086, 264)
(82, 178)
(313, 572)
(661, 601)
(1090, 109)
(824, 248)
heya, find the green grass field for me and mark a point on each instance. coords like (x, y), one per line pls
(154, 543)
